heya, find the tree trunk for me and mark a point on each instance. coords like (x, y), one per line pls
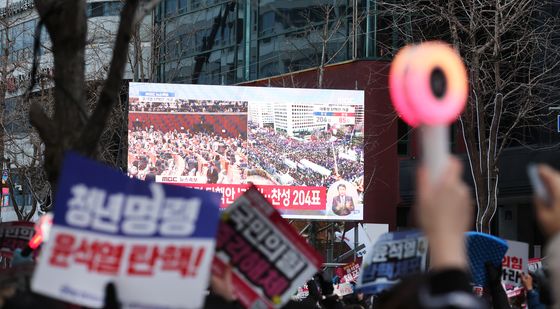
(72, 128)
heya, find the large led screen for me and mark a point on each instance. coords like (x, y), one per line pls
(303, 148)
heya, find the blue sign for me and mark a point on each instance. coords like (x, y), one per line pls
(558, 123)
(393, 257)
(94, 197)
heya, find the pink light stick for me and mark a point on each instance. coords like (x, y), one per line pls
(429, 88)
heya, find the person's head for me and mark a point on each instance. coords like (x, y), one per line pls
(341, 189)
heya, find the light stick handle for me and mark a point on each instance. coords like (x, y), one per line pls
(435, 149)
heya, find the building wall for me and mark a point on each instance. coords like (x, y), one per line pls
(237, 41)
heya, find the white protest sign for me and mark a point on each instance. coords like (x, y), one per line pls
(374, 230)
(534, 264)
(154, 242)
(515, 261)
(343, 289)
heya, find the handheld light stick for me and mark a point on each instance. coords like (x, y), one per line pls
(429, 88)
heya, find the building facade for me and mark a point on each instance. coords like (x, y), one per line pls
(262, 114)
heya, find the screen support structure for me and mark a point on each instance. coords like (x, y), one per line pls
(313, 229)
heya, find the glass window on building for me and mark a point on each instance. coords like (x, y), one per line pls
(290, 35)
(95, 9)
(113, 8)
(403, 135)
(384, 36)
(266, 23)
(182, 6)
(170, 7)
(105, 8)
(21, 39)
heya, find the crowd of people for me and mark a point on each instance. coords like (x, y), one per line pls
(444, 212)
(189, 106)
(269, 149)
(184, 153)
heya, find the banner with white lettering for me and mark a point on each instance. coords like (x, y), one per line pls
(270, 260)
(154, 242)
(394, 256)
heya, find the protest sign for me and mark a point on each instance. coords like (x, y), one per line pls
(514, 262)
(517, 298)
(14, 235)
(342, 289)
(534, 265)
(270, 260)
(393, 257)
(348, 272)
(302, 293)
(154, 242)
(374, 230)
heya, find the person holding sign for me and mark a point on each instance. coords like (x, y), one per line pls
(444, 212)
(342, 204)
(429, 89)
(548, 216)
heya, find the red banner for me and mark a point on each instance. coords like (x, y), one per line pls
(281, 197)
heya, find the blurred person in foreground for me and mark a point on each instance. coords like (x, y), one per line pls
(548, 217)
(444, 211)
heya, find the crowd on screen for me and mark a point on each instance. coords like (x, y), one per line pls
(184, 153)
(268, 150)
(189, 106)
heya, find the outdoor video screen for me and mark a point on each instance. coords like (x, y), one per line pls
(303, 148)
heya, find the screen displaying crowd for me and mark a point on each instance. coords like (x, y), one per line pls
(275, 151)
(300, 145)
(217, 158)
(189, 106)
